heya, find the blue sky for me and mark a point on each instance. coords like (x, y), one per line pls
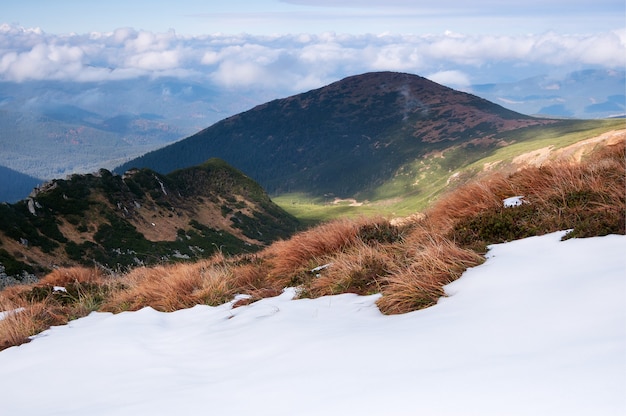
(195, 17)
(290, 46)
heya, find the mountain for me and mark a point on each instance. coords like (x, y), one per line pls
(581, 94)
(139, 218)
(344, 139)
(15, 185)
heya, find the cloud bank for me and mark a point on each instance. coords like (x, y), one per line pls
(296, 62)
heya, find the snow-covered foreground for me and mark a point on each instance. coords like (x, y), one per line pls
(539, 329)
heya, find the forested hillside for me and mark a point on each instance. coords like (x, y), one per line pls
(141, 218)
(15, 185)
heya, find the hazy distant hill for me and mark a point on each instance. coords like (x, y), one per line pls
(15, 185)
(343, 139)
(583, 94)
(50, 129)
(140, 218)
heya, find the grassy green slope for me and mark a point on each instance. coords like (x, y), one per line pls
(419, 182)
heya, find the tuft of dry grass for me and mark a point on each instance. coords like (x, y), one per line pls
(468, 201)
(62, 295)
(254, 279)
(19, 326)
(287, 257)
(430, 263)
(290, 260)
(25, 319)
(589, 197)
(65, 276)
(360, 270)
(168, 288)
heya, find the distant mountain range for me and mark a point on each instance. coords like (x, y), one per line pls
(345, 139)
(585, 94)
(52, 129)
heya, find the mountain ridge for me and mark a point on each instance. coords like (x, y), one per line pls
(140, 218)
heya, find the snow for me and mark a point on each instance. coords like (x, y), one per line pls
(538, 329)
(7, 313)
(513, 201)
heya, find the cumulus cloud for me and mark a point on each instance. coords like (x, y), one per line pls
(292, 63)
(43, 61)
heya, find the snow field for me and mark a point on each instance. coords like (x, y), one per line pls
(538, 329)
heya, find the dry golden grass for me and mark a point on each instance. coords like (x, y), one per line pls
(468, 200)
(289, 258)
(589, 197)
(360, 269)
(254, 280)
(418, 282)
(66, 276)
(570, 193)
(17, 326)
(40, 306)
(26, 319)
(171, 287)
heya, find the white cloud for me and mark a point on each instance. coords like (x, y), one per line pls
(240, 74)
(454, 79)
(43, 61)
(290, 63)
(396, 57)
(154, 60)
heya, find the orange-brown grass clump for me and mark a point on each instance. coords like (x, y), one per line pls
(24, 320)
(172, 287)
(71, 275)
(430, 262)
(62, 295)
(253, 278)
(291, 260)
(360, 270)
(168, 288)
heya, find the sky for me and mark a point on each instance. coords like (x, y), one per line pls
(538, 329)
(198, 17)
(291, 46)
